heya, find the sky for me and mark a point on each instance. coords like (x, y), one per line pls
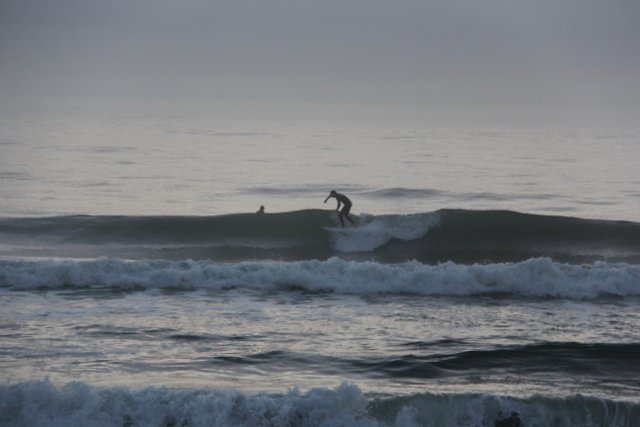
(544, 54)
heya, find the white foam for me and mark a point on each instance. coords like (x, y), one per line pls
(373, 232)
(40, 404)
(537, 277)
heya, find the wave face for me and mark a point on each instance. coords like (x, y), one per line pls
(539, 277)
(430, 237)
(41, 403)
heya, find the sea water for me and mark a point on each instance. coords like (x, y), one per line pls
(493, 278)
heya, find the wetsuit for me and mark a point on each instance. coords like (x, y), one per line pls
(346, 206)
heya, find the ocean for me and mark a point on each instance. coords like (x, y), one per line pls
(492, 278)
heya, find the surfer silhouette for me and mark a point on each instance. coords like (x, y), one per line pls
(261, 210)
(346, 208)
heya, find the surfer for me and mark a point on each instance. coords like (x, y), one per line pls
(261, 210)
(344, 200)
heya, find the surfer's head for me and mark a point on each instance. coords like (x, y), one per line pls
(333, 193)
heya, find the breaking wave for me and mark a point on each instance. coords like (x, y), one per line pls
(431, 237)
(538, 277)
(41, 403)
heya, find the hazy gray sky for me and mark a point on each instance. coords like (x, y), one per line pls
(428, 52)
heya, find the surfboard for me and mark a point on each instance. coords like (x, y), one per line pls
(343, 230)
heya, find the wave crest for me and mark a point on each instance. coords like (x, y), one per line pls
(40, 403)
(538, 277)
(431, 237)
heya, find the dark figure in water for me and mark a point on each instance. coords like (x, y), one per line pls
(344, 200)
(261, 210)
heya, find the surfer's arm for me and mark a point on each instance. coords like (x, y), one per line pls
(338, 208)
(328, 197)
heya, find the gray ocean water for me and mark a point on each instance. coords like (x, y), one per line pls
(148, 160)
(493, 278)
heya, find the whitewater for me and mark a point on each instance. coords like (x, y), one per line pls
(493, 277)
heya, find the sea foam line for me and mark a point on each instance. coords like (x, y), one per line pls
(41, 403)
(536, 277)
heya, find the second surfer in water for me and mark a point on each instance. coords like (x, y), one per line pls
(344, 200)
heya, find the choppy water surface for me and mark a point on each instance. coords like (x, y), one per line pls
(269, 341)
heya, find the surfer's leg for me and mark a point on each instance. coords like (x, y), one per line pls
(350, 220)
(345, 212)
(340, 216)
